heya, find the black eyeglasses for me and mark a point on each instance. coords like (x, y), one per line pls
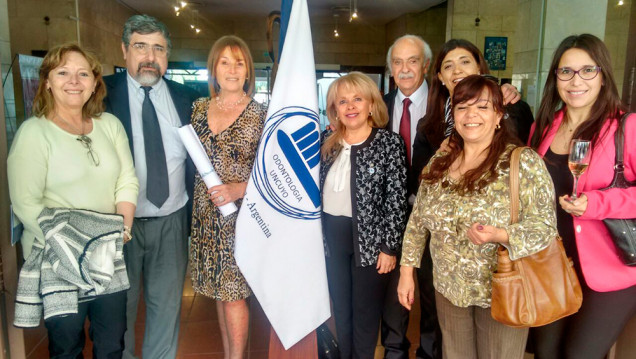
(586, 73)
(88, 144)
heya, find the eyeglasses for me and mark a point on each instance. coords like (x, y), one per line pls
(143, 48)
(586, 73)
(88, 144)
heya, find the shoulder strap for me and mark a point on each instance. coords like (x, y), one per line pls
(619, 141)
(514, 183)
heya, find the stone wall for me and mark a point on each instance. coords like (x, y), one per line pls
(616, 34)
(497, 18)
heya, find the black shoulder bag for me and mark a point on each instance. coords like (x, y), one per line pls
(623, 231)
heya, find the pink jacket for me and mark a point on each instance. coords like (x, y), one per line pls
(602, 268)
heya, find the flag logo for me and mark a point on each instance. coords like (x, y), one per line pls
(283, 176)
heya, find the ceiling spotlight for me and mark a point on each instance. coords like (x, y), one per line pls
(176, 8)
(178, 13)
(197, 30)
(355, 14)
(620, 2)
(183, 4)
(336, 34)
(192, 26)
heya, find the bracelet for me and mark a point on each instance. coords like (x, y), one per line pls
(127, 233)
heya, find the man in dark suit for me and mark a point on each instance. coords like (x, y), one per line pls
(151, 109)
(408, 59)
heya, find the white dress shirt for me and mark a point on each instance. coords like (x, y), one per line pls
(417, 109)
(176, 153)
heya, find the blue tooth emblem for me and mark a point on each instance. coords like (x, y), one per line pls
(302, 151)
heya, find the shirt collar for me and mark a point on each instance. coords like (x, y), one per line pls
(134, 84)
(416, 97)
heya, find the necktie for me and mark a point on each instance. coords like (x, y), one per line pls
(448, 118)
(157, 188)
(405, 128)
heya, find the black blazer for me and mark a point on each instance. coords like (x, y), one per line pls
(116, 102)
(378, 194)
(422, 152)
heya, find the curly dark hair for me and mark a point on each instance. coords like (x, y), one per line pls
(467, 90)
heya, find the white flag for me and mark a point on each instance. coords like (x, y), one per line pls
(279, 245)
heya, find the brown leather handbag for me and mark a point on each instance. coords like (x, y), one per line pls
(538, 289)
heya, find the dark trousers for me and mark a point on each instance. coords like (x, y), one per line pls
(395, 318)
(107, 316)
(591, 331)
(156, 259)
(357, 292)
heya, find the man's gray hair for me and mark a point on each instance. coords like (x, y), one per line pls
(144, 24)
(427, 54)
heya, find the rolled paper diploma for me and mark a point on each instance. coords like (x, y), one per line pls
(202, 162)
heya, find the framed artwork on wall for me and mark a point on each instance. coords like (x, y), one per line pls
(495, 52)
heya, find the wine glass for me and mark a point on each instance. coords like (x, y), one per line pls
(579, 159)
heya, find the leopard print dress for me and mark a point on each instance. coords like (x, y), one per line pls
(232, 151)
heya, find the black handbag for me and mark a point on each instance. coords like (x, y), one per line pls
(622, 231)
(327, 344)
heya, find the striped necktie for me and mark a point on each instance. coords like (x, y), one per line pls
(448, 118)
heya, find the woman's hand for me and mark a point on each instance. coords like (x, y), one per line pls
(226, 193)
(480, 234)
(576, 207)
(386, 263)
(510, 94)
(406, 287)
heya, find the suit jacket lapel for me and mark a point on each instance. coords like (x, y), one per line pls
(118, 99)
(389, 99)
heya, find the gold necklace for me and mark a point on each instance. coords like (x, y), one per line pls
(228, 106)
(81, 133)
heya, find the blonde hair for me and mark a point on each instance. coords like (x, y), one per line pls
(239, 50)
(44, 103)
(364, 86)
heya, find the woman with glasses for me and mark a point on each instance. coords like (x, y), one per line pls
(580, 101)
(72, 155)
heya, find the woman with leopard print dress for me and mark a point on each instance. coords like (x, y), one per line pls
(229, 125)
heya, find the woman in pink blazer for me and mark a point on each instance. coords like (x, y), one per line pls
(580, 100)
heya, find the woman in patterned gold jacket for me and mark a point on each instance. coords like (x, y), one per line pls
(463, 208)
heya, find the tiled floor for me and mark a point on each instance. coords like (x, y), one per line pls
(199, 337)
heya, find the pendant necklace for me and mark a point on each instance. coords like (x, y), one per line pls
(228, 106)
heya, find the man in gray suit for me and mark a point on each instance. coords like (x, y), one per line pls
(151, 109)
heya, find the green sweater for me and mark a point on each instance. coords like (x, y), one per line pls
(48, 167)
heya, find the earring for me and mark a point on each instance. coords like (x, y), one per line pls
(498, 126)
(371, 113)
(443, 84)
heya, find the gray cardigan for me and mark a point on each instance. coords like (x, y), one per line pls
(82, 258)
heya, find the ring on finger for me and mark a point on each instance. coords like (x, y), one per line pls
(220, 198)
